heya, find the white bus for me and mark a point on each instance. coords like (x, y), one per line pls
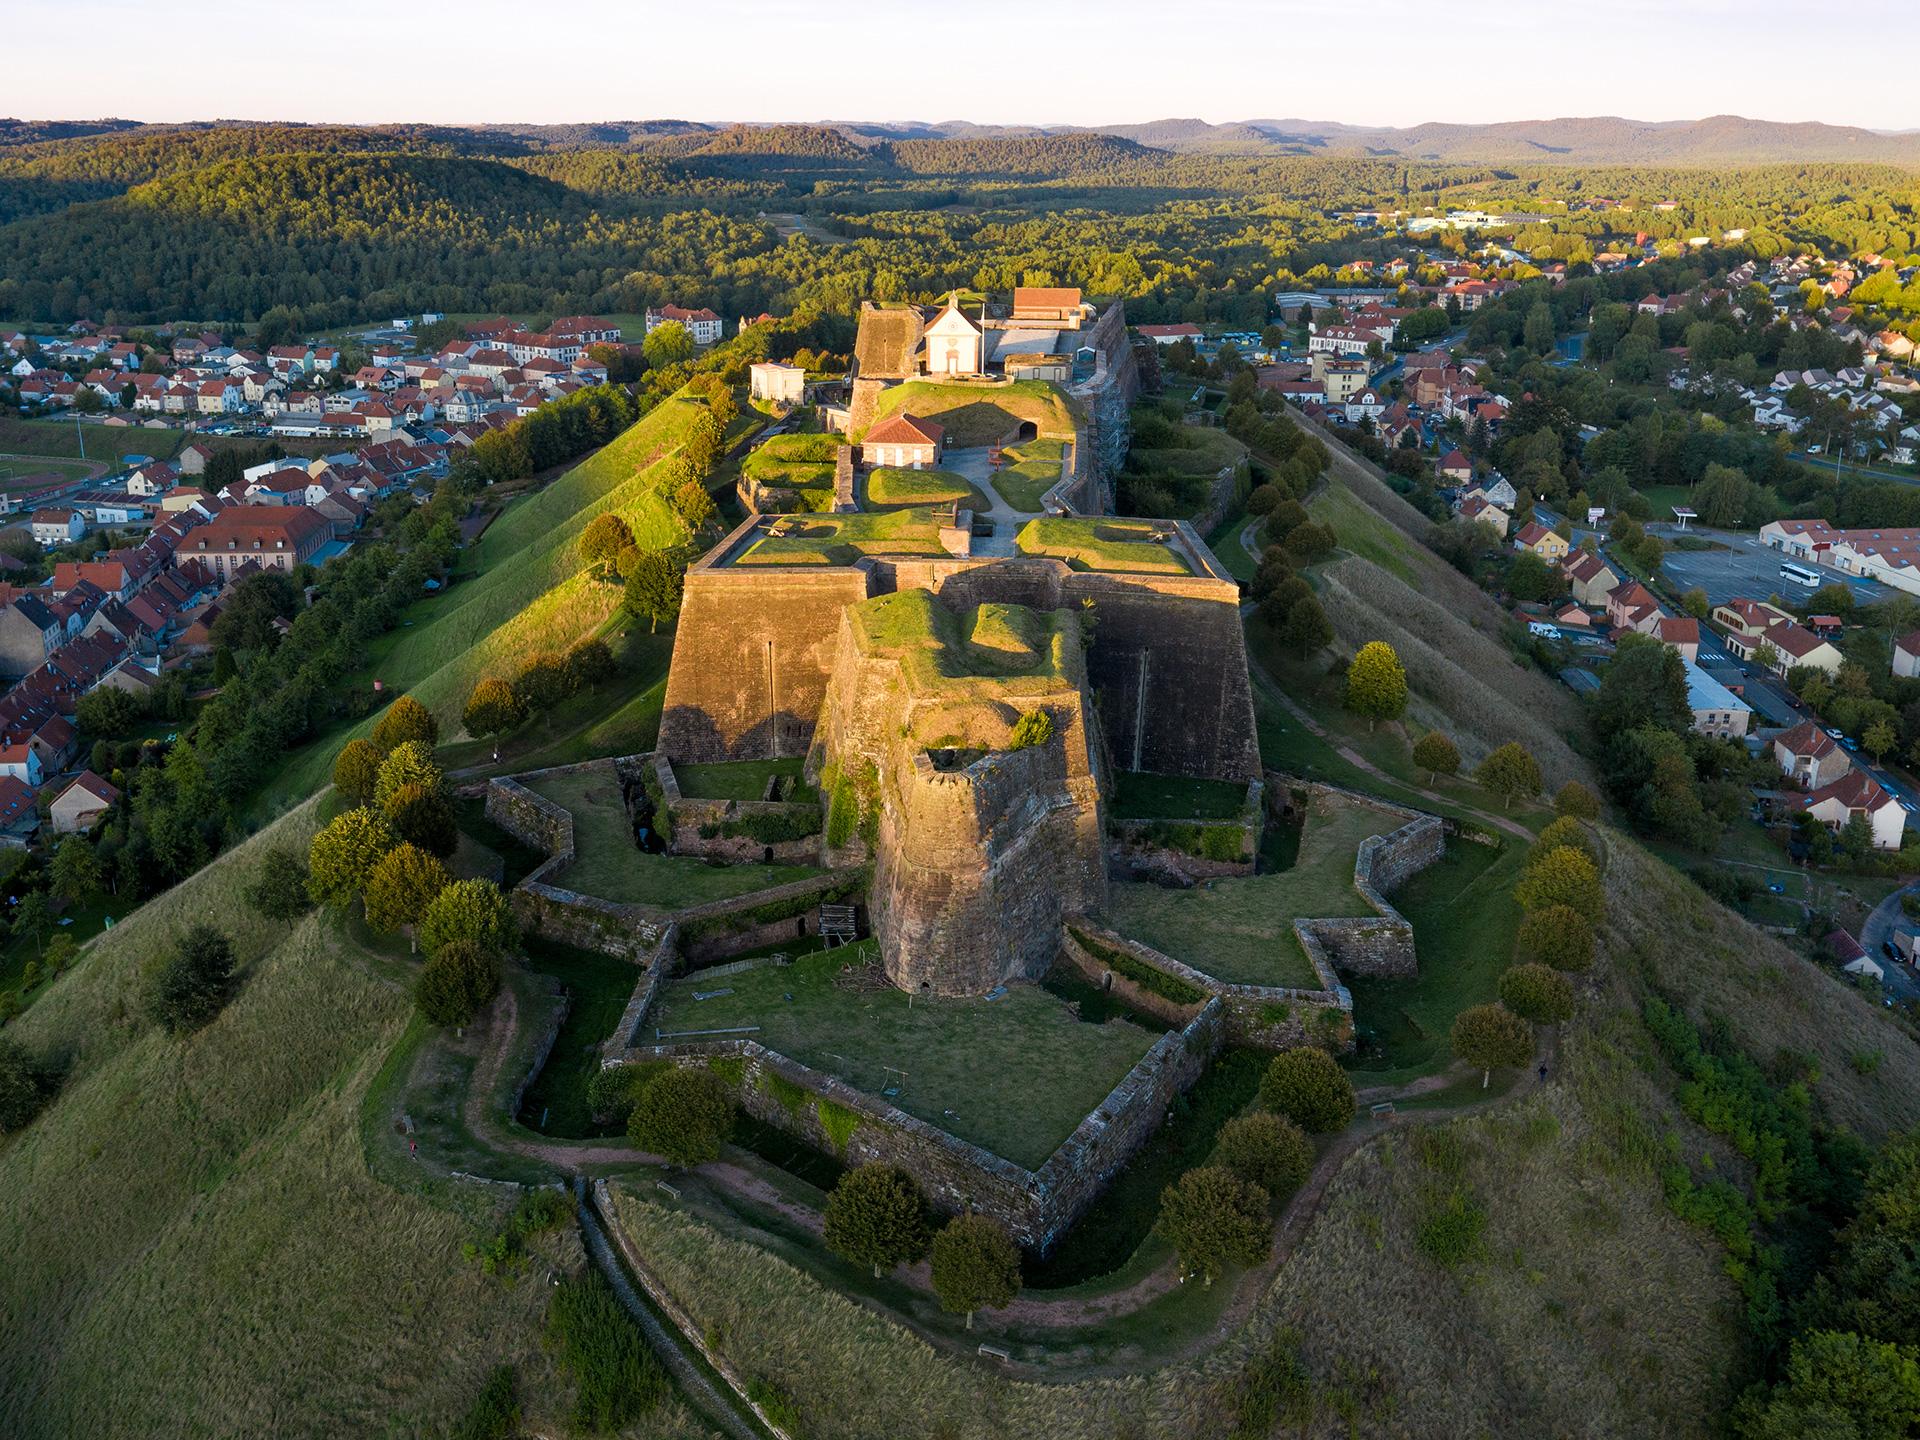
(1800, 575)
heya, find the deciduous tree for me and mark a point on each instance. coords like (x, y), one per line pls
(1377, 683)
(683, 1114)
(189, 983)
(1491, 1037)
(401, 887)
(1214, 1219)
(1434, 753)
(406, 719)
(1509, 772)
(355, 769)
(876, 1216)
(1577, 800)
(344, 853)
(1307, 1085)
(492, 708)
(1562, 876)
(278, 887)
(410, 763)
(425, 818)
(1266, 1150)
(469, 911)
(1557, 935)
(604, 538)
(457, 981)
(1538, 993)
(75, 872)
(976, 1266)
(654, 587)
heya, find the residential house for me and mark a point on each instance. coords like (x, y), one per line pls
(1717, 711)
(1682, 632)
(1457, 469)
(1631, 606)
(57, 526)
(19, 760)
(1749, 617)
(1589, 579)
(1543, 542)
(1479, 511)
(1810, 757)
(702, 324)
(19, 815)
(1906, 655)
(274, 537)
(904, 440)
(1858, 793)
(85, 799)
(1792, 645)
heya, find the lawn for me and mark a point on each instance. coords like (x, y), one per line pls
(1014, 1074)
(1241, 929)
(734, 780)
(598, 988)
(981, 414)
(843, 539)
(1034, 470)
(608, 864)
(891, 487)
(1365, 532)
(1140, 796)
(1116, 545)
(1464, 919)
(1225, 544)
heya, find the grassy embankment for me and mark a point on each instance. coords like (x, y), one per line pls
(520, 591)
(193, 1241)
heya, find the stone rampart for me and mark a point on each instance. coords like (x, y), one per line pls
(1036, 1206)
(1381, 944)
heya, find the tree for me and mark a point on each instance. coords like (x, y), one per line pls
(876, 1216)
(976, 1266)
(654, 587)
(24, 1088)
(683, 1115)
(1696, 604)
(1557, 935)
(1266, 1150)
(456, 983)
(1214, 1219)
(31, 917)
(406, 719)
(1434, 753)
(1538, 993)
(410, 763)
(1537, 329)
(667, 343)
(1564, 831)
(1576, 800)
(590, 662)
(472, 912)
(278, 888)
(1838, 1386)
(401, 887)
(1766, 657)
(492, 708)
(1491, 1037)
(1307, 1085)
(1511, 773)
(355, 769)
(1307, 628)
(604, 538)
(695, 507)
(1644, 684)
(1562, 876)
(249, 611)
(425, 818)
(1878, 738)
(75, 872)
(1377, 683)
(344, 853)
(1721, 496)
(188, 984)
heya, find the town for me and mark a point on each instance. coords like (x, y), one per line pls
(674, 778)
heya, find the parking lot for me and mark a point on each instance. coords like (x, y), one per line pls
(1746, 568)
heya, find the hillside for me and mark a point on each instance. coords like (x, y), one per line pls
(192, 1240)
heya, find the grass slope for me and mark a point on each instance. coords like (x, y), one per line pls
(192, 1242)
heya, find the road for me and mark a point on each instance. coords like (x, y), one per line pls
(1902, 984)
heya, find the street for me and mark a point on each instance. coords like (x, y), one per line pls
(1901, 984)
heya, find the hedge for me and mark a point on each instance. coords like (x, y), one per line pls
(1148, 977)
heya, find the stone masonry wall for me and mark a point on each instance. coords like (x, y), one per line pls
(1383, 944)
(691, 816)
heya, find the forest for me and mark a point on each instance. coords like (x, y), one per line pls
(220, 223)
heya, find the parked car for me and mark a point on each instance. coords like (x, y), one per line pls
(1893, 950)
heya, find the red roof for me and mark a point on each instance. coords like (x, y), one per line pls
(91, 783)
(1856, 790)
(1806, 739)
(905, 429)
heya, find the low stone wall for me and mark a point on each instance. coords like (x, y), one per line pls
(532, 820)
(541, 1051)
(1383, 944)
(1133, 994)
(722, 928)
(586, 921)
(1037, 1207)
(690, 817)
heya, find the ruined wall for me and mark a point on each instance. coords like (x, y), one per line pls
(751, 659)
(691, 817)
(1383, 944)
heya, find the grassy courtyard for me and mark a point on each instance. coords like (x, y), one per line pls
(843, 539)
(734, 779)
(1240, 930)
(893, 488)
(1031, 470)
(1015, 1074)
(1119, 545)
(1138, 795)
(608, 864)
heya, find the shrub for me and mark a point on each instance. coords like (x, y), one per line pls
(1578, 801)
(24, 1088)
(1035, 727)
(1450, 1235)
(354, 770)
(1307, 1085)
(683, 1114)
(277, 889)
(1558, 936)
(612, 1091)
(188, 985)
(1491, 1037)
(976, 1266)
(1266, 1150)
(1562, 876)
(876, 1216)
(600, 1346)
(1538, 993)
(469, 911)
(1214, 1219)
(456, 983)
(406, 719)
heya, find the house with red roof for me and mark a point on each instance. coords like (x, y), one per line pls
(903, 440)
(702, 324)
(1810, 757)
(1858, 793)
(84, 800)
(1455, 468)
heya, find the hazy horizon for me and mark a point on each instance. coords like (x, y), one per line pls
(782, 61)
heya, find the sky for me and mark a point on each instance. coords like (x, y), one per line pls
(1081, 62)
